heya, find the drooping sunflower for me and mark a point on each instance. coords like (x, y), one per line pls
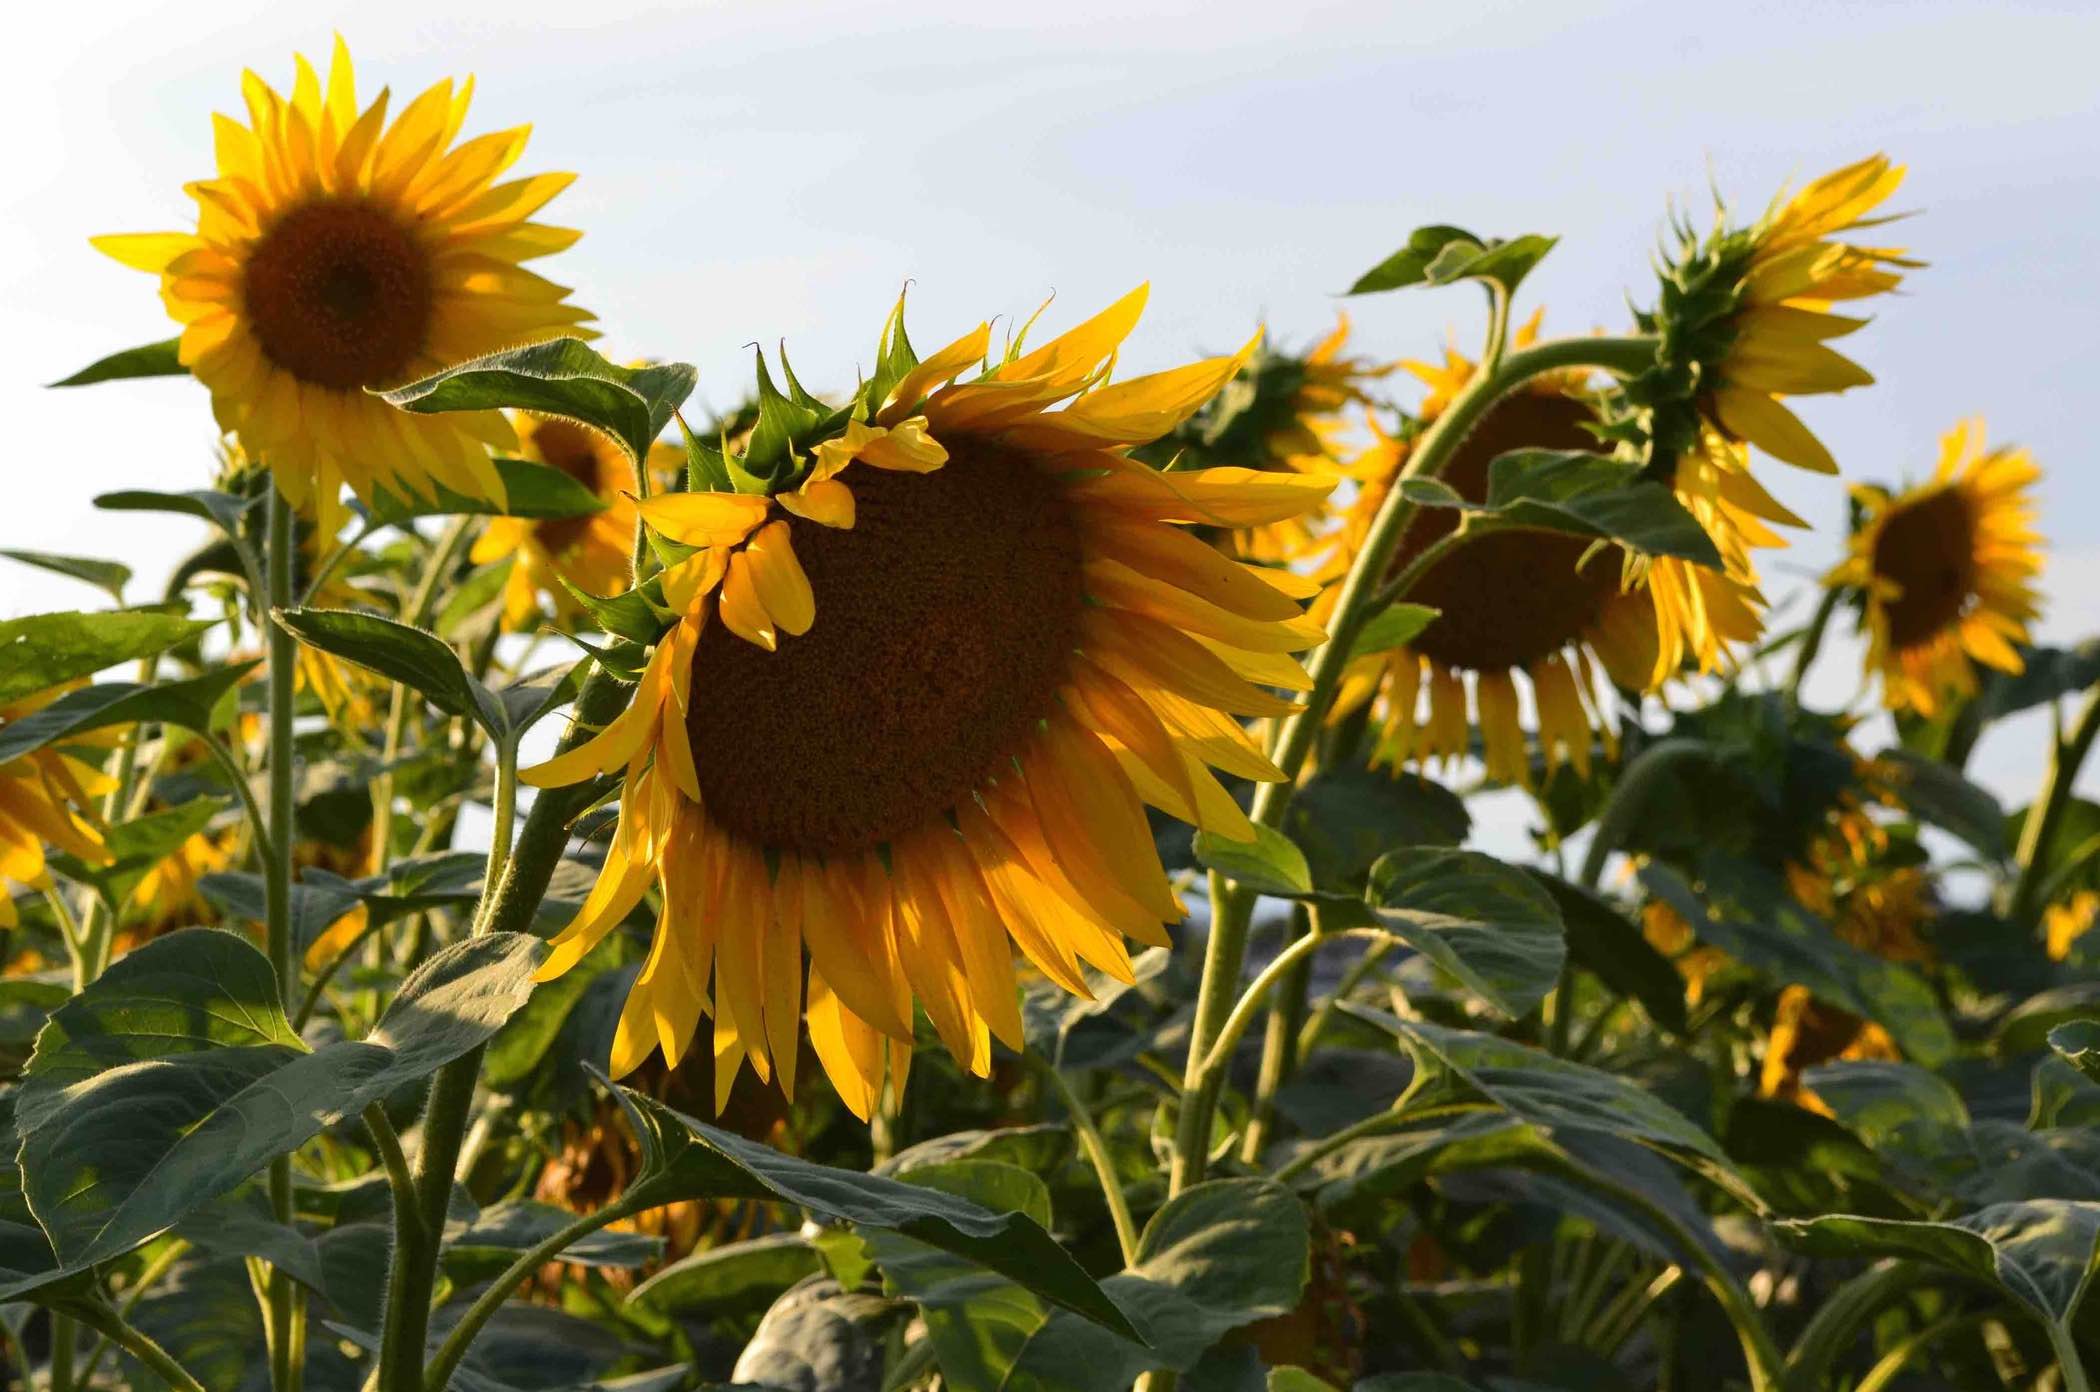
(593, 553)
(45, 800)
(1947, 571)
(1744, 322)
(916, 699)
(1511, 603)
(336, 253)
(1283, 411)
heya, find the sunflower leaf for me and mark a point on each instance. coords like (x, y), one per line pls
(537, 491)
(109, 576)
(199, 703)
(687, 1159)
(2079, 1044)
(769, 458)
(222, 510)
(1394, 626)
(1269, 864)
(146, 360)
(1410, 264)
(417, 659)
(1486, 923)
(560, 377)
(140, 844)
(1937, 793)
(47, 650)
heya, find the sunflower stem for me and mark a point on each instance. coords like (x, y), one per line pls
(1097, 1154)
(282, 652)
(1636, 784)
(2047, 814)
(1231, 909)
(508, 902)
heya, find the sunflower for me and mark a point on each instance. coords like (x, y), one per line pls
(914, 703)
(336, 253)
(1947, 571)
(44, 799)
(1745, 322)
(594, 553)
(1510, 604)
(2068, 920)
(1283, 411)
(168, 895)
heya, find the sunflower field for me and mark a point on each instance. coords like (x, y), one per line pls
(953, 872)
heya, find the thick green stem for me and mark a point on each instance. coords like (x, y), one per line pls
(2047, 814)
(283, 654)
(111, 1325)
(1097, 1153)
(2067, 1360)
(1232, 910)
(446, 1359)
(508, 902)
(1636, 784)
(1279, 1045)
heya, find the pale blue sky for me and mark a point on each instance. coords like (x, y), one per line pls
(758, 171)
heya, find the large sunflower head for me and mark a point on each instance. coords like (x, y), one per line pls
(336, 253)
(1516, 604)
(593, 553)
(926, 672)
(1946, 571)
(45, 800)
(1282, 411)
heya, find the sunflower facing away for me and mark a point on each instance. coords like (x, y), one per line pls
(44, 800)
(1282, 411)
(593, 553)
(335, 253)
(1745, 322)
(915, 702)
(1947, 571)
(1512, 603)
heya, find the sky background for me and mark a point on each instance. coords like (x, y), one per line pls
(765, 171)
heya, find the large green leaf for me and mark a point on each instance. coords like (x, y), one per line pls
(561, 377)
(1269, 864)
(1394, 626)
(176, 1076)
(688, 1159)
(2079, 1043)
(733, 1277)
(1581, 493)
(419, 660)
(1937, 793)
(529, 490)
(2041, 1252)
(1349, 815)
(45, 650)
(146, 360)
(1442, 255)
(1555, 1092)
(199, 703)
(240, 895)
(108, 576)
(1486, 923)
(1752, 918)
(1602, 940)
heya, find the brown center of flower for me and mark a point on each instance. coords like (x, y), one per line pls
(575, 451)
(946, 618)
(1928, 548)
(1507, 599)
(339, 294)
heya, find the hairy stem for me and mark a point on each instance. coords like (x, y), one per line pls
(282, 652)
(1097, 1154)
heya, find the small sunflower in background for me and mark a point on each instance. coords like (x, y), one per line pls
(1511, 604)
(1946, 571)
(1744, 322)
(46, 799)
(593, 553)
(336, 253)
(2068, 920)
(167, 895)
(916, 700)
(1285, 412)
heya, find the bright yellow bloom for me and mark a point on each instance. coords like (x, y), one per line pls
(912, 710)
(335, 253)
(2066, 922)
(44, 800)
(1948, 571)
(594, 553)
(1511, 604)
(167, 894)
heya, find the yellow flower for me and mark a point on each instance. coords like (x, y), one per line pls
(1744, 323)
(167, 894)
(2068, 921)
(913, 707)
(335, 253)
(1947, 570)
(1511, 603)
(593, 553)
(44, 800)
(1284, 412)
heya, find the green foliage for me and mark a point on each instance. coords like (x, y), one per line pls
(1440, 255)
(146, 360)
(47, 650)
